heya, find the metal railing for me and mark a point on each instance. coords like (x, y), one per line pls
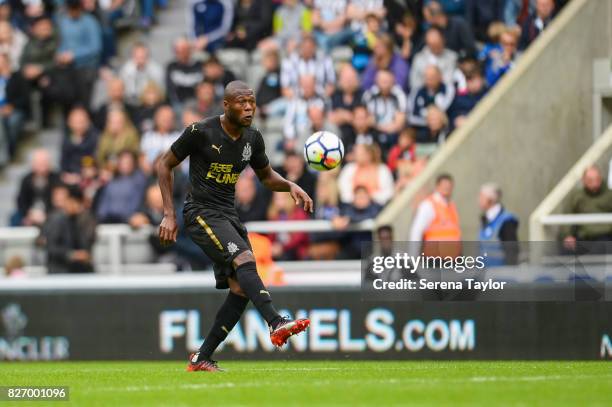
(114, 236)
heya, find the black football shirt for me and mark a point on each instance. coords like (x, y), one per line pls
(216, 160)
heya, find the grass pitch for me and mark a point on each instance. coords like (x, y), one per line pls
(323, 383)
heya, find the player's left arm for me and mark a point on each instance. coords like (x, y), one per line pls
(272, 179)
(275, 182)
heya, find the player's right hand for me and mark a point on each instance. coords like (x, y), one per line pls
(168, 230)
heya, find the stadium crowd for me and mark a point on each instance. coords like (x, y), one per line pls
(415, 70)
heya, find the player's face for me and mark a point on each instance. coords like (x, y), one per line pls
(241, 109)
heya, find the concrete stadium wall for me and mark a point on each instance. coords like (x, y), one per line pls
(528, 131)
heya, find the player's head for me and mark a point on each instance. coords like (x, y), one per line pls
(239, 103)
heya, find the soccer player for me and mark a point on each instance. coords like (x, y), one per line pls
(219, 148)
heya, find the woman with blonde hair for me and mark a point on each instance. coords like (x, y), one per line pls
(119, 135)
(366, 171)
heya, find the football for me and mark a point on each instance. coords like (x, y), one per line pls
(323, 151)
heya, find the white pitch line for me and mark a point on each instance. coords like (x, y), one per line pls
(394, 381)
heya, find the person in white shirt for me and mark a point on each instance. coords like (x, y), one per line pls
(138, 72)
(159, 139)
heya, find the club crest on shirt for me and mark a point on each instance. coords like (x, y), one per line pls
(246, 152)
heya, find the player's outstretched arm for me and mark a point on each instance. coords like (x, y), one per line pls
(165, 172)
(275, 182)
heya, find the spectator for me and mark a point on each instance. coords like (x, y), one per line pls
(115, 90)
(325, 246)
(364, 41)
(207, 104)
(14, 103)
(251, 203)
(138, 72)
(12, 43)
(160, 139)
(119, 135)
(80, 141)
(499, 61)
(466, 101)
(434, 53)
(436, 130)
(151, 99)
(80, 50)
(344, 100)
(517, 11)
(362, 208)
(386, 101)
(182, 74)
(269, 97)
(384, 58)
(151, 213)
(252, 23)
(404, 150)
(593, 197)
(436, 222)
(70, 234)
(216, 73)
(14, 267)
(90, 182)
(34, 198)
(406, 36)
(290, 20)
(307, 62)
(457, 32)
(122, 196)
(434, 92)
(329, 20)
(294, 169)
(366, 171)
(287, 245)
(318, 121)
(37, 59)
(536, 22)
(210, 21)
(480, 15)
(297, 122)
(498, 231)
(363, 130)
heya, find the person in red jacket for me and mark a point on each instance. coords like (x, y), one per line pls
(287, 245)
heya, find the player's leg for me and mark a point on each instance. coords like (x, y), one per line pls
(251, 284)
(281, 328)
(227, 317)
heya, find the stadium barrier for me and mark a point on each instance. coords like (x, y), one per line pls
(521, 131)
(120, 248)
(168, 322)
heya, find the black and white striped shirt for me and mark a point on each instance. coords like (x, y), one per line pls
(384, 108)
(321, 67)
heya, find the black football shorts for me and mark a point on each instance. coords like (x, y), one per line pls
(220, 234)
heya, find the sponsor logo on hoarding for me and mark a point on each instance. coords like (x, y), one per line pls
(330, 331)
(606, 347)
(14, 345)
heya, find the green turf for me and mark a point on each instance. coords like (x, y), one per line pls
(322, 383)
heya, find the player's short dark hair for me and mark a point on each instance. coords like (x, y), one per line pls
(444, 177)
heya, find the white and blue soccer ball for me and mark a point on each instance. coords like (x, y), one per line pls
(323, 151)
